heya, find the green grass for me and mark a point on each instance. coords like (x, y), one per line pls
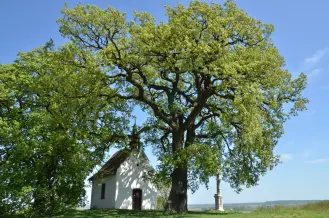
(131, 214)
(320, 209)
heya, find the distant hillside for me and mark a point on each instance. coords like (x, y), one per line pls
(290, 202)
(254, 205)
(246, 206)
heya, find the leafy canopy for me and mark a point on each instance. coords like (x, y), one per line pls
(211, 70)
(210, 80)
(54, 129)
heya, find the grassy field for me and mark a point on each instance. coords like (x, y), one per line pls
(310, 210)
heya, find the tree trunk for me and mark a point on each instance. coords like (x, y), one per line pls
(39, 200)
(43, 202)
(178, 194)
(177, 200)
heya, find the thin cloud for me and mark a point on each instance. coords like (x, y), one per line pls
(315, 72)
(285, 157)
(305, 154)
(318, 161)
(316, 56)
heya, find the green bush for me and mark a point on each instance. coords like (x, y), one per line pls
(323, 205)
(161, 202)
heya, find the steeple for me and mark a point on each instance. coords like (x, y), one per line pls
(134, 138)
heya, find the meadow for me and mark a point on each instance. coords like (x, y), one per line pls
(320, 209)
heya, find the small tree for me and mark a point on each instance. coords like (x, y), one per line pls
(53, 129)
(163, 189)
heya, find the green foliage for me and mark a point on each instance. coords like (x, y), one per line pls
(319, 206)
(163, 190)
(161, 202)
(211, 70)
(210, 79)
(54, 128)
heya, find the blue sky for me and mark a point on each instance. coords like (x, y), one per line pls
(301, 35)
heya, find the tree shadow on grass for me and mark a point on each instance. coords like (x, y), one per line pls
(140, 214)
(211, 213)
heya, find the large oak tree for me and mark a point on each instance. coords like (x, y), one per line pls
(210, 72)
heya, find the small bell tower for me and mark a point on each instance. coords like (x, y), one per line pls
(134, 143)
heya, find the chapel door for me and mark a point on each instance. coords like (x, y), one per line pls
(137, 199)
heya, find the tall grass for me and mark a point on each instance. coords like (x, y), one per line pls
(323, 205)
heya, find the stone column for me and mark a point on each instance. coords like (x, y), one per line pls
(218, 196)
(219, 202)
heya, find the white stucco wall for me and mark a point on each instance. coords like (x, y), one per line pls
(110, 190)
(129, 177)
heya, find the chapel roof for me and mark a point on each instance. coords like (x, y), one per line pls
(111, 166)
